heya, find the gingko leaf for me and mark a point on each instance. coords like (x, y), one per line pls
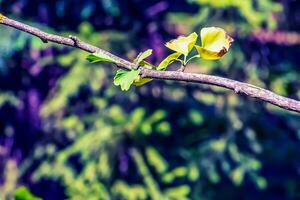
(142, 56)
(125, 78)
(214, 43)
(168, 60)
(100, 57)
(147, 65)
(183, 44)
(141, 81)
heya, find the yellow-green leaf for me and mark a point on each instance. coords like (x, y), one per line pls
(141, 81)
(214, 43)
(183, 44)
(100, 57)
(125, 78)
(168, 60)
(142, 56)
(147, 65)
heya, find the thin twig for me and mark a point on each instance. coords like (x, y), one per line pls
(236, 86)
(181, 68)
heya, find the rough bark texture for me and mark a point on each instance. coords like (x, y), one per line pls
(236, 86)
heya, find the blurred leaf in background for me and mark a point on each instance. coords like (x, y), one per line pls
(23, 193)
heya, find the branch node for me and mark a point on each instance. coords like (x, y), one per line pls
(182, 68)
(75, 39)
(238, 89)
(143, 75)
(44, 40)
(137, 66)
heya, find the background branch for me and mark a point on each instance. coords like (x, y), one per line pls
(236, 86)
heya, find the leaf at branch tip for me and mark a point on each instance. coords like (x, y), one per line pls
(125, 78)
(183, 44)
(168, 60)
(100, 57)
(142, 56)
(215, 43)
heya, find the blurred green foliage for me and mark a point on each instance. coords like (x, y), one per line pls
(23, 193)
(8, 98)
(251, 14)
(11, 173)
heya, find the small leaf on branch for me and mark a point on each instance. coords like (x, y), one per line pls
(168, 60)
(142, 56)
(139, 81)
(125, 78)
(100, 57)
(147, 65)
(183, 44)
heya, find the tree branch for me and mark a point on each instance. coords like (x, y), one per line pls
(236, 86)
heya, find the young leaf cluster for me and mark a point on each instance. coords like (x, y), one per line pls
(214, 44)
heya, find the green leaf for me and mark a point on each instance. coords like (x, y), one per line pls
(100, 57)
(142, 56)
(23, 193)
(147, 65)
(141, 81)
(183, 44)
(125, 78)
(168, 60)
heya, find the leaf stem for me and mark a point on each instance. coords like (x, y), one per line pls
(183, 64)
(182, 68)
(184, 60)
(179, 60)
(193, 57)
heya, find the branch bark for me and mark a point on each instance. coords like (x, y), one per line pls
(236, 86)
